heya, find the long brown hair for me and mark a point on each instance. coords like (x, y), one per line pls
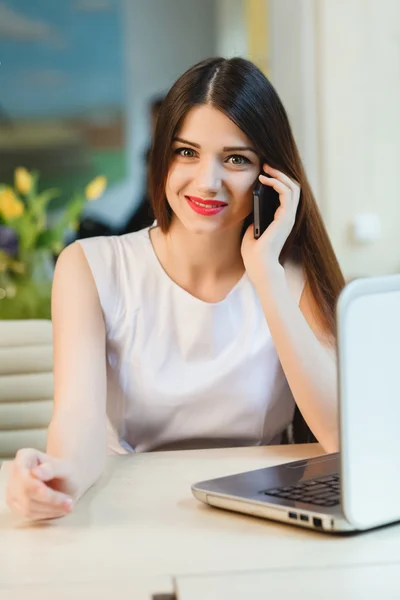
(241, 91)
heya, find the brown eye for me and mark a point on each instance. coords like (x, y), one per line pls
(239, 160)
(184, 152)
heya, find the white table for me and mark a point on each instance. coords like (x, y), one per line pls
(329, 583)
(140, 531)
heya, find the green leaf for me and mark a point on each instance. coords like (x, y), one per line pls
(47, 238)
(40, 202)
(72, 212)
(30, 197)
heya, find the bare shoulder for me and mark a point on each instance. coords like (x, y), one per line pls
(74, 293)
(72, 259)
(73, 275)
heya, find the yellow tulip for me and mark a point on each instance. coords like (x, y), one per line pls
(23, 180)
(10, 206)
(96, 188)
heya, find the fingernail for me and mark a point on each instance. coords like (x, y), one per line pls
(39, 471)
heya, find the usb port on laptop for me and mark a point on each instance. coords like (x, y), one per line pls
(304, 518)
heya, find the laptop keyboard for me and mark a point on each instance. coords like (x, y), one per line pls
(322, 491)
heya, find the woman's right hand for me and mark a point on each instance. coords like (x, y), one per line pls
(40, 486)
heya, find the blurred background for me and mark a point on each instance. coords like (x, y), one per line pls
(81, 82)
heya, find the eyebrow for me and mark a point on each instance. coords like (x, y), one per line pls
(225, 149)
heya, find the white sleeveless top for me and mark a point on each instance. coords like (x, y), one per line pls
(183, 373)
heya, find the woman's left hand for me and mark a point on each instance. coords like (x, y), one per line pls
(262, 256)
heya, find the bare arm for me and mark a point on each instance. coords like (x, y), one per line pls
(307, 354)
(77, 431)
(305, 349)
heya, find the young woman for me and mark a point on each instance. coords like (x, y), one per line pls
(192, 333)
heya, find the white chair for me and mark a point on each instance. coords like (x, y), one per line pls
(26, 385)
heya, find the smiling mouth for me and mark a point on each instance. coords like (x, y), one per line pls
(206, 208)
(206, 203)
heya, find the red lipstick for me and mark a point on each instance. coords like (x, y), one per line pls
(205, 207)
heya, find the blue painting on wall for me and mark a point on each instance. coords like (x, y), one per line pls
(62, 93)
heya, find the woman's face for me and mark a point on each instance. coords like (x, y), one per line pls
(212, 173)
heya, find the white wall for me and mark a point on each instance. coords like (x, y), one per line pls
(163, 38)
(231, 28)
(335, 64)
(359, 79)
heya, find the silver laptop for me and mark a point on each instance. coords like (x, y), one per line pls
(358, 488)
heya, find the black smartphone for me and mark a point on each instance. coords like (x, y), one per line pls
(265, 203)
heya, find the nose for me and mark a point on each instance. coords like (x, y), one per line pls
(208, 177)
